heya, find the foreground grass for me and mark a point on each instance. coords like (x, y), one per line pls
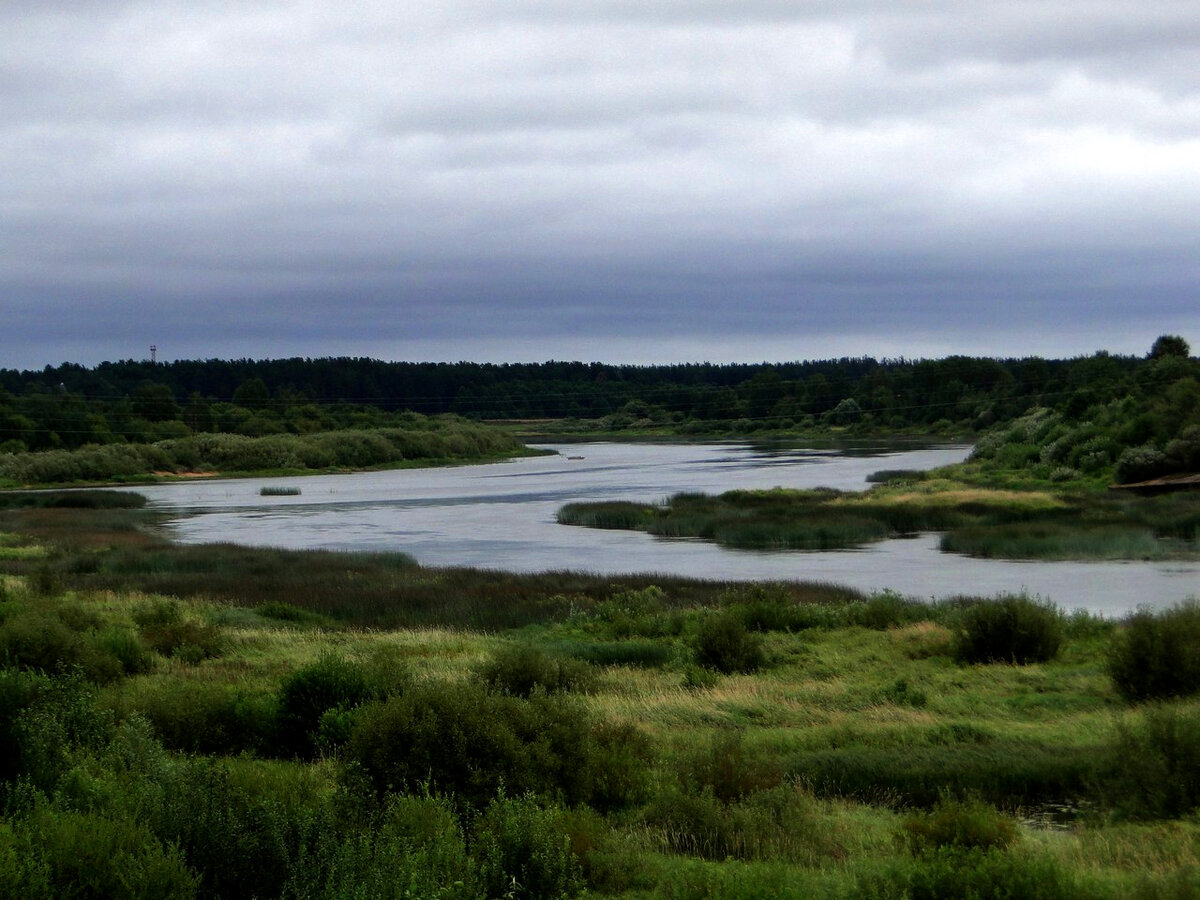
(846, 751)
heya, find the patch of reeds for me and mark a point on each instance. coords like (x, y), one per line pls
(978, 522)
(635, 653)
(268, 491)
(1002, 772)
(1057, 540)
(617, 514)
(897, 476)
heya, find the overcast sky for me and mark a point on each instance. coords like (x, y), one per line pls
(660, 180)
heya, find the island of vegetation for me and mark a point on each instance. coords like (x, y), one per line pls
(221, 721)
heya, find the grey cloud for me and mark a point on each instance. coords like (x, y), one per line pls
(568, 171)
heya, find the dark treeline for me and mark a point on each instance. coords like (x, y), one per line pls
(70, 405)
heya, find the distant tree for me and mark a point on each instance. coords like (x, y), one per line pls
(1170, 345)
(154, 402)
(252, 394)
(847, 412)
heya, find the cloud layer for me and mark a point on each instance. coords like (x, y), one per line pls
(597, 180)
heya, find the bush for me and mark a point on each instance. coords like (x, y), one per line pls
(728, 771)
(522, 669)
(53, 854)
(49, 640)
(413, 847)
(524, 851)
(961, 824)
(200, 717)
(1155, 765)
(330, 684)
(242, 845)
(1157, 655)
(1013, 629)
(724, 644)
(163, 627)
(975, 874)
(460, 739)
(777, 824)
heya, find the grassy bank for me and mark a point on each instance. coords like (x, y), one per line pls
(1035, 523)
(189, 722)
(420, 441)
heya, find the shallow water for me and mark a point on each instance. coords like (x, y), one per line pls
(501, 516)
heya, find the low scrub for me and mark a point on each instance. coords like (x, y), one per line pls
(1157, 655)
(723, 643)
(961, 824)
(524, 851)
(522, 669)
(977, 874)
(1013, 629)
(312, 702)
(467, 741)
(780, 823)
(1155, 764)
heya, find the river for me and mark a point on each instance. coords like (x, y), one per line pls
(501, 516)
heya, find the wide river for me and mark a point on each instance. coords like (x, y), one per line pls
(501, 516)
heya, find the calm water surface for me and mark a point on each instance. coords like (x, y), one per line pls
(501, 516)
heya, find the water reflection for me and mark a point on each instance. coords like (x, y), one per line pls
(501, 516)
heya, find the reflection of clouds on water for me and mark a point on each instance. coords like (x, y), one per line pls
(501, 516)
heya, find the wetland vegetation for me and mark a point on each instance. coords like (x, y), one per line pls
(977, 521)
(228, 722)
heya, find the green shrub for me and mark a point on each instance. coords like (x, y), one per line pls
(124, 644)
(728, 770)
(961, 824)
(643, 654)
(54, 637)
(463, 740)
(777, 824)
(974, 874)
(60, 723)
(619, 766)
(524, 851)
(637, 613)
(185, 640)
(522, 669)
(413, 846)
(1012, 629)
(332, 683)
(723, 643)
(1157, 655)
(52, 854)
(242, 844)
(1155, 764)
(884, 610)
(200, 717)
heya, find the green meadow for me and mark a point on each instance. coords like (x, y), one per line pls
(227, 722)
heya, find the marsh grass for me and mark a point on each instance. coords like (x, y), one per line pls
(978, 521)
(794, 780)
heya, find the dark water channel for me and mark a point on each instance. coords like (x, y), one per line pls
(501, 516)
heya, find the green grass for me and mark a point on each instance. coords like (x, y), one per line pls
(989, 522)
(555, 728)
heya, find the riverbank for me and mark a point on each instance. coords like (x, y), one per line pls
(424, 442)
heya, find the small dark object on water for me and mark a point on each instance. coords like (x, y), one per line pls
(279, 492)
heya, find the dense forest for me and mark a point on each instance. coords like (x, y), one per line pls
(1098, 408)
